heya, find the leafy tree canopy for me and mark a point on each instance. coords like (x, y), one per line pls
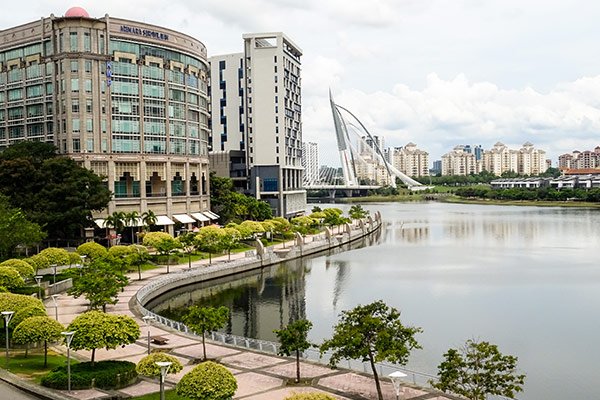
(294, 340)
(100, 283)
(205, 319)
(27, 312)
(92, 250)
(52, 190)
(22, 267)
(10, 278)
(235, 206)
(207, 381)
(15, 228)
(38, 329)
(478, 370)
(95, 330)
(371, 333)
(14, 302)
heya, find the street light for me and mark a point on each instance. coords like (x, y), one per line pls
(54, 297)
(7, 317)
(148, 319)
(164, 370)
(396, 378)
(38, 279)
(82, 264)
(68, 338)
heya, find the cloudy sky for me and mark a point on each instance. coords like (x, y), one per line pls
(435, 72)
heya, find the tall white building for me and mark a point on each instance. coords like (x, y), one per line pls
(310, 162)
(410, 160)
(532, 161)
(257, 110)
(459, 161)
(525, 161)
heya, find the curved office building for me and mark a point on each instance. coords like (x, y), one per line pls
(126, 99)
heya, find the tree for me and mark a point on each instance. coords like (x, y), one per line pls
(56, 256)
(148, 219)
(38, 329)
(230, 238)
(27, 312)
(100, 283)
(293, 340)
(95, 330)
(478, 370)
(162, 242)
(372, 333)
(116, 221)
(52, 190)
(147, 365)
(207, 381)
(92, 250)
(208, 239)
(357, 212)
(205, 319)
(138, 256)
(131, 219)
(188, 244)
(234, 206)
(16, 229)
(119, 256)
(310, 396)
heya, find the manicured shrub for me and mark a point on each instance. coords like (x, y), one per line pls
(208, 381)
(147, 365)
(26, 312)
(104, 374)
(92, 250)
(57, 256)
(14, 302)
(38, 262)
(23, 267)
(74, 258)
(10, 278)
(310, 396)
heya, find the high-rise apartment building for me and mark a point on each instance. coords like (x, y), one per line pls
(410, 160)
(580, 159)
(125, 99)
(526, 161)
(310, 162)
(531, 161)
(258, 97)
(460, 162)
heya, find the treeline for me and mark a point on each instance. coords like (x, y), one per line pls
(545, 194)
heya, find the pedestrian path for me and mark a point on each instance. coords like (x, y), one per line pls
(259, 376)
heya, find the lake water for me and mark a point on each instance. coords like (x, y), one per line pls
(524, 278)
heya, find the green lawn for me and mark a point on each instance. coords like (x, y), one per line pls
(32, 367)
(169, 395)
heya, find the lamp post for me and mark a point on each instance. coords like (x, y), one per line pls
(148, 319)
(54, 297)
(7, 317)
(38, 280)
(396, 378)
(54, 266)
(82, 264)
(68, 338)
(164, 370)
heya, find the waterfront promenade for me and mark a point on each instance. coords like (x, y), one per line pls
(260, 376)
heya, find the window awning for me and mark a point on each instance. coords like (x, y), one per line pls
(210, 214)
(200, 217)
(184, 218)
(164, 220)
(100, 223)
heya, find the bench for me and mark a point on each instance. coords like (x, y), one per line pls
(159, 340)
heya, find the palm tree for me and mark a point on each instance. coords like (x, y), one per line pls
(132, 219)
(116, 221)
(148, 218)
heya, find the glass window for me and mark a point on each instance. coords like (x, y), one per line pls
(73, 41)
(88, 106)
(155, 145)
(75, 106)
(87, 42)
(76, 146)
(36, 110)
(76, 125)
(49, 88)
(74, 85)
(15, 94)
(88, 85)
(15, 75)
(88, 66)
(156, 91)
(125, 145)
(90, 145)
(89, 125)
(74, 66)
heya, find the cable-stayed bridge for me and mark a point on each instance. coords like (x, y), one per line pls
(364, 166)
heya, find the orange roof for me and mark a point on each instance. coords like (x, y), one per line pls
(582, 171)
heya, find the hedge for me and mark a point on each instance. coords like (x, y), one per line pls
(109, 374)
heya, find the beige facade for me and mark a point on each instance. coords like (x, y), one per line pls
(126, 99)
(526, 161)
(410, 160)
(580, 159)
(460, 162)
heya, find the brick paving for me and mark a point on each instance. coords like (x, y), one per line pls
(259, 376)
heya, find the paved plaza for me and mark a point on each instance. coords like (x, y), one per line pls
(259, 376)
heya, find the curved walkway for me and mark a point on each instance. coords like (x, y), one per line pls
(259, 376)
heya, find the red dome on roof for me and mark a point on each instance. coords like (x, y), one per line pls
(76, 12)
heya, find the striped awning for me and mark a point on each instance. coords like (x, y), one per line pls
(184, 218)
(100, 223)
(164, 220)
(210, 214)
(200, 217)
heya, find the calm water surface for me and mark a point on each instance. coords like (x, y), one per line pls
(524, 278)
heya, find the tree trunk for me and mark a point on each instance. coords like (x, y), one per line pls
(297, 366)
(190, 260)
(372, 362)
(203, 345)
(209, 258)
(93, 356)
(45, 353)
(140, 272)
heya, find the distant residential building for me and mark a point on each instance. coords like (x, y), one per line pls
(256, 109)
(511, 183)
(437, 168)
(459, 162)
(526, 161)
(580, 159)
(310, 162)
(476, 150)
(531, 161)
(410, 161)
